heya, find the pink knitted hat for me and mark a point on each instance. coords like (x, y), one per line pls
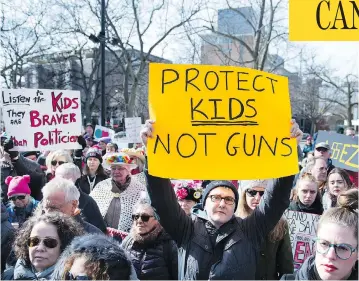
(18, 185)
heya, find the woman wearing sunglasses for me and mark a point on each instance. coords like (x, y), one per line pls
(336, 245)
(39, 244)
(151, 250)
(21, 205)
(306, 196)
(54, 160)
(275, 257)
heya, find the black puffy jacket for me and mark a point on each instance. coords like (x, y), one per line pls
(158, 261)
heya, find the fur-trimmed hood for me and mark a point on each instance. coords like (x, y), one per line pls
(99, 247)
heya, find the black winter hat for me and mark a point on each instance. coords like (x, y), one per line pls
(214, 184)
(93, 153)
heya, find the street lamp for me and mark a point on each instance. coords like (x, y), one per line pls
(101, 38)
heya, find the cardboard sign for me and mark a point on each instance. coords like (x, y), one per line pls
(103, 132)
(327, 20)
(133, 128)
(302, 231)
(216, 122)
(42, 119)
(344, 149)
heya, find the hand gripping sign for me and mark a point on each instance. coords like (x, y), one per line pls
(215, 122)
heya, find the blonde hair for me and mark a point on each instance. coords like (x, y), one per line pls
(305, 177)
(244, 211)
(346, 212)
(57, 153)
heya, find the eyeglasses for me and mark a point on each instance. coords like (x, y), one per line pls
(321, 149)
(252, 192)
(69, 276)
(144, 218)
(343, 251)
(48, 242)
(54, 162)
(217, 199)
(20, 197)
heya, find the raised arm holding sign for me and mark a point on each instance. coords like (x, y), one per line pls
(213, 244)
(207, 115)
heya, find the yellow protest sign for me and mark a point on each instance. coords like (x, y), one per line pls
(219, 122)
(323, 20)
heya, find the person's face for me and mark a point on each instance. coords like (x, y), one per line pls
(18, 201)
(336, 184)
(110, 148)
(329, 266)
(42, 256)
(78, 267)
(57, 161)
(119, 173)
(322, 152)
(89, 143)
(56, 202)
(93, 163)
(319, 170)
(89, 130)
(32, 157)
(220, 212)
(309, 142)
(350, 133)
(307, 192)
(141, 224)
(253, 196)
(186, 205)
(102, 145)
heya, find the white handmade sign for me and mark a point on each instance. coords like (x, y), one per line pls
(42, 119)
(132, 134)
(103, 132)
(302, 231)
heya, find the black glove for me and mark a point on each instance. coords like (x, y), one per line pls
(82, 141)
(9, 144)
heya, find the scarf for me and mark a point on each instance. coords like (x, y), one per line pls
(118, 187)
(147, 238)
(315, 208)
(23, 271)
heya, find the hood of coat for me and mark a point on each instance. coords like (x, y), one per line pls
(99, 247)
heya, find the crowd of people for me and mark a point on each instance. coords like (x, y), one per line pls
(96, 213)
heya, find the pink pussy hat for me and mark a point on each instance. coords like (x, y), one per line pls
(18, 185)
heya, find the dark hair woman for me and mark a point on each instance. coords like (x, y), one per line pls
(39, 244)
(93, 171)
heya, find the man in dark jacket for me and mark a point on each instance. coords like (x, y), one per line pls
(87, 204)
(214, 244)
(63, 196)
(13, 164)
(7, 236)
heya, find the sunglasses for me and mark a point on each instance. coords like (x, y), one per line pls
(54, 162)
(20, 197)
(321, 149)
(253, 193)
(144, 218)
(48, 242)
(69, 276)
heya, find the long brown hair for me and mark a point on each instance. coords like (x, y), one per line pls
(244, 211)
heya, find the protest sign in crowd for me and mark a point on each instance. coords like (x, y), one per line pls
(210, 188)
